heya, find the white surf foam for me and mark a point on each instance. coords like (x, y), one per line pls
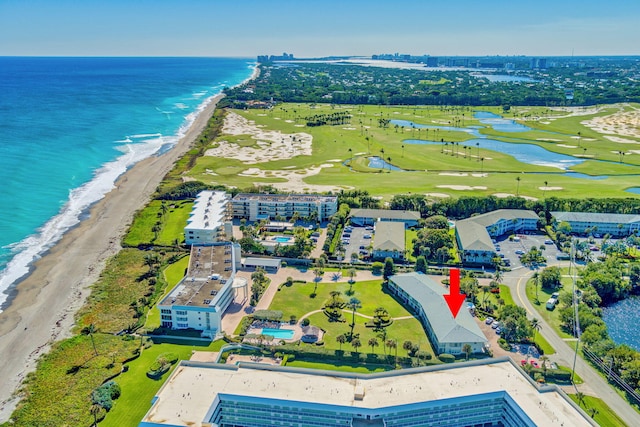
(80, 199)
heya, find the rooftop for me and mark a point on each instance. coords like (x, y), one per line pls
(385, 213)
(490, 218)
(448, 329)
(284, 197)
(596, 217)
(187, 396)
(210, 267)
(209, 210)
(389, 236)
(473, 236)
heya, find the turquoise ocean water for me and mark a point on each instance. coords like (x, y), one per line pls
(70, 126)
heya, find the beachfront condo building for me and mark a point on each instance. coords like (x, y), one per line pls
(210, 219)
(617, 225)
(424, 297)
(256, 207)
(486, 393)
(474, 235)
(199, 300)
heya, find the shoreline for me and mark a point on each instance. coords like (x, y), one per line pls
(42, 305)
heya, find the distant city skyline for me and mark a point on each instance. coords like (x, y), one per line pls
(314, 29)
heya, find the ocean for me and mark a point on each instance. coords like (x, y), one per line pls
(69, 127)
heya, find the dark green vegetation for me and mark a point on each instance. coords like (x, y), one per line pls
(615, 277)
(596, 83)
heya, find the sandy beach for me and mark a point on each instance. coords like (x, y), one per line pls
(45, 302)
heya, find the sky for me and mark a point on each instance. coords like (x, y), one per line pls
(246, 28)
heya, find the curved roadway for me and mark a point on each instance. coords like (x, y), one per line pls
(564, 355)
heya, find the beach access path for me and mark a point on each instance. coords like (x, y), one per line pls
(46, 301)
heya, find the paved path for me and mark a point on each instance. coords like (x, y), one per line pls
(240, 306)
(565, 350)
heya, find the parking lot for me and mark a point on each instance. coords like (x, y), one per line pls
(354, 241)
(512, 249)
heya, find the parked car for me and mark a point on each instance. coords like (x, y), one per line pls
(548, 242)
(488, 320)
(495, 325)
(519, 252)
(367, 236)
(523, 362)
(534, 364)
(498, 331)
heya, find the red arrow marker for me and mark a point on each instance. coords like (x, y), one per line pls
(455, 298)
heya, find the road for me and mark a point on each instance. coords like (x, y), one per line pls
(565, 350)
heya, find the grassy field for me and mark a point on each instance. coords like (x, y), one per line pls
(138, 390)
(551, 316)
(344, 367)
(604, 416)
(167, 218)
(296, 300)
(429, 167)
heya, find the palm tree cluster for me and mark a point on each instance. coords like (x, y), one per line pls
(333, 119)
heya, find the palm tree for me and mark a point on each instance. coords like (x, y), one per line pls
(402, 150)
(90, 330)
(467, 350)
(407, 346)
(352, 274)
(355, 343)
(546, 183)
(580, 397)
(392, 344)
(373, 343)
(95, 411)
(478, 151)
(350, 155)
(543, 363)
(341, 339)
(354, 304)
(536, 283)
(518, 186)
(535, 326)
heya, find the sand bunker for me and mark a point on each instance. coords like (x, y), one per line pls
(567, 146)
(505, 195)
(463, 187)
(621, 140)
(453, 174)
(550, 188)
(271, 145)
(438, 195)
(295, 179)
(625, 123)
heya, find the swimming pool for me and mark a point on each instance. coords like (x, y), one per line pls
(283, 334)
(282, 239)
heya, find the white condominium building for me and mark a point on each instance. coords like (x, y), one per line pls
(486, 393)
(255, 207)
(210, 219)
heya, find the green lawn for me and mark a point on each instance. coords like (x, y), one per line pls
(296, 300)
(138, 390)
(605, 417)
(551, 316)
(171, 223)
(344, 366)
(172, 274)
